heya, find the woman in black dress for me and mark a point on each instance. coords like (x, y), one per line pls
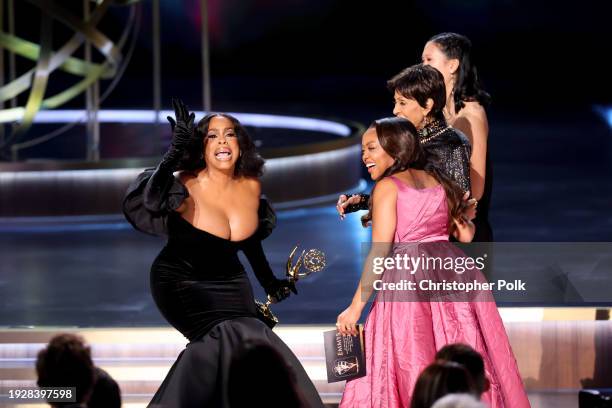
(451, 54)
(420, 97)
(209, 211)
(466, 99)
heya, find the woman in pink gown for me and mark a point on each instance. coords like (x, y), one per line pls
(413, 205)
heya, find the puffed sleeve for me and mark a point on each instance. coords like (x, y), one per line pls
(460, 162)
(459, 165)
(451, 152)
(267, 218)
(150, 198)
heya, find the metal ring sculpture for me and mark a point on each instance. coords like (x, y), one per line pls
(47, 61)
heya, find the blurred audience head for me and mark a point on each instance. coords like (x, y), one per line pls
(468, 358)
(257, 368)
(458, 401)
(438, 380)
(66, 362)
(106, 392)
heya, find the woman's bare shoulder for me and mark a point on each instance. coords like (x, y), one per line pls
(472, 121)
(251, 183)
(383, 188)
(186, 177)
(474, 110)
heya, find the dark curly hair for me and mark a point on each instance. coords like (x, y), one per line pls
(66, 362)
(398, 138)
(421, 82)
(249, 164)
(467, 86)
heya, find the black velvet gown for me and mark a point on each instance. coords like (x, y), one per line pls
(201, 288)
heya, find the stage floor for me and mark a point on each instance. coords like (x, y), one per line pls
(95, 272)
(550, 183)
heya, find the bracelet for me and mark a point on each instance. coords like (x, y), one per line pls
(361, 205)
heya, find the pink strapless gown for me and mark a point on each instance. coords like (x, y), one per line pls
(402, 338)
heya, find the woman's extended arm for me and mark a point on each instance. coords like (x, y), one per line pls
(183, 133)
(384, 220)
(473, 123)
(156, 192)
(278, 289)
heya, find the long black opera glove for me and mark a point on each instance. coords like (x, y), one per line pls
(361, 205)
(278, 289)
(183, 135)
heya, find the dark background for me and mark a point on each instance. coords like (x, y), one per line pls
(333, 57)
(543, 62)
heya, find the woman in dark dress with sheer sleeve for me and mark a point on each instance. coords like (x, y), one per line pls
(466, 100)
(420, 97)
(209, 211)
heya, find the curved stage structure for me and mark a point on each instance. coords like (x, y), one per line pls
(297, 174)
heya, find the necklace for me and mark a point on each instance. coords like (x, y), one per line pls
(434, 135)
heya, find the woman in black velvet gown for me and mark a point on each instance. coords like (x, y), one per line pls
(209, 211)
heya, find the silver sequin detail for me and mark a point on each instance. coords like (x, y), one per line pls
(450, 150)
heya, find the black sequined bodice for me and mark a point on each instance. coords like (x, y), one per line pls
(449, 149)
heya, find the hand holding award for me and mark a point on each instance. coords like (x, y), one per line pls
(312, 260)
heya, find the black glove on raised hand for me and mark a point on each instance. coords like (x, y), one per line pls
(280, 289)
(183, 134)
(161, 181)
